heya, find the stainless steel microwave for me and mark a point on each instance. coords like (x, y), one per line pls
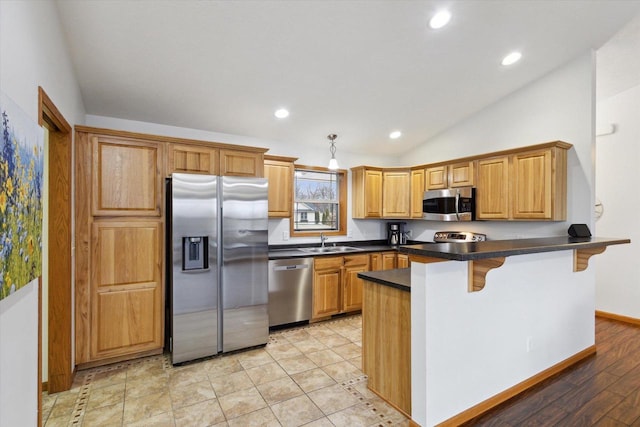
(451, 204)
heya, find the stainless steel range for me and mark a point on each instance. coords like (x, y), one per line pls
(458, 236)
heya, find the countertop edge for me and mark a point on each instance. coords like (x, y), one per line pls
(503, 248)
(399, 278)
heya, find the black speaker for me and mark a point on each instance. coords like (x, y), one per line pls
(579, 230)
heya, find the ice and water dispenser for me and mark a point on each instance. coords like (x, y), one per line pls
(195, 253)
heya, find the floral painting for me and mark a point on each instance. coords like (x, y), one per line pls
(21, 176)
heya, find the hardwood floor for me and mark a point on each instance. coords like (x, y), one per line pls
(603, 390)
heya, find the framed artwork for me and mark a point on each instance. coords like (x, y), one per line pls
(21, 204)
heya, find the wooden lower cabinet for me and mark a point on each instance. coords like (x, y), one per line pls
(386, 260)
(126, 293)
(403, 261)
(352, 284)
(327, 280)
(386, 343)
(336, 286)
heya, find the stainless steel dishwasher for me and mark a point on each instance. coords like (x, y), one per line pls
(290, 290)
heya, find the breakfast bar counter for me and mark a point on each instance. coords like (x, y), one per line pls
(491, 319)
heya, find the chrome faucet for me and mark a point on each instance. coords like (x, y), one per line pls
(323, 239)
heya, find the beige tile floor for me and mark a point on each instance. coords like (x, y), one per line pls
(309, 376)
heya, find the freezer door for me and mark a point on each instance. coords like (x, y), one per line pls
(245, 290)
(193, 289)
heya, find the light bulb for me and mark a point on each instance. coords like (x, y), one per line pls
(512, 58)
(333, 164)
(440, 19)
(281, 113)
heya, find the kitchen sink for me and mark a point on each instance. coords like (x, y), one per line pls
(329, 249)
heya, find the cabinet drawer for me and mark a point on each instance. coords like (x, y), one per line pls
(351, 260)
(322, 263)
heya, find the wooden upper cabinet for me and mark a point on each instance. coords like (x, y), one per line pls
(279, 172)
(417, 192)
(396, 185)
(492, 188)
(539, 184)
(126, 177)
(381, 193)
(525, 185)
(198, 159)
(435, 178)
(366, 192)
(241, 163)
(450, 176)
(461, 174)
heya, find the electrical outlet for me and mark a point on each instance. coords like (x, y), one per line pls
(285, 235)
(529, 344)
(349, 234)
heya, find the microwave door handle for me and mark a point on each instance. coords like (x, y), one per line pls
(458, 205)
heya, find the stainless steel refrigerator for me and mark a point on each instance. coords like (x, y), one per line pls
(218, 252)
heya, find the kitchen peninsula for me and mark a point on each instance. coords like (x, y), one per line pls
(511, 314)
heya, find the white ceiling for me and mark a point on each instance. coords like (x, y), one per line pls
(360, 69)
(618, 62)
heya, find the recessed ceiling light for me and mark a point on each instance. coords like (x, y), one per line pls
(281, 113)
(440, 19)
(512, 58)
(395, 134)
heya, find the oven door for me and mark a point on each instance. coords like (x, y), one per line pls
(452, 204)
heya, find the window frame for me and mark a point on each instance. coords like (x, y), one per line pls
(342, 175)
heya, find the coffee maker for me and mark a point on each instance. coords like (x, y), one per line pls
(396, 234)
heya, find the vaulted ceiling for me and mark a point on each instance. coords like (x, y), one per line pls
(360, 69)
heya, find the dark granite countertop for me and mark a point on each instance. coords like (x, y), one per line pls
(501, 248)
(399, 278)
(363, 246)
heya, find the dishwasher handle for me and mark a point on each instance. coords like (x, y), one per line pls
(290, 267)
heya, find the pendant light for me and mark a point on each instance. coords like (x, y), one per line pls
(333, 163)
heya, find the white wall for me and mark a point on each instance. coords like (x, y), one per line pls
(278, 228)
(533, 313)
(559, 106)
(32, 54)
(618, 176)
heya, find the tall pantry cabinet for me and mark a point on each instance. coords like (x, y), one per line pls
(120, 234)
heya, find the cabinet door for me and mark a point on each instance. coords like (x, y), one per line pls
(435, 178)
(403, 261)
(192, 159)
(352, 290)
(395, 197)
(461, 175)
(531, 175)
(389, 260)
(280, 176)
(126, 289)
(492, 188)
(373, 194)
(126, 178)
(375, 261)
(327, 280)
(241, 163)
(417, 192)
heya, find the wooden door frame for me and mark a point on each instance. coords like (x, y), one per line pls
(60, 370)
